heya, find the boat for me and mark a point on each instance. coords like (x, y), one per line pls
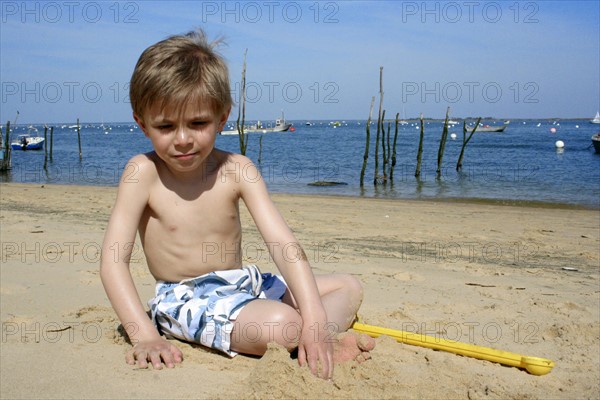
(27, 142)
(596, 142)
(596, 119)
(280, 126)
(488, 128)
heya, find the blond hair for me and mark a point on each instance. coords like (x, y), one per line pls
(180, 69)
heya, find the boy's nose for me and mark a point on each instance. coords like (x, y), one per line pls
(183, 137)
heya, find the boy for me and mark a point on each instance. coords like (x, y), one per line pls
(183, 199)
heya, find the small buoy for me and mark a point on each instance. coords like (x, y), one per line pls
(292, 129)
(552, 130)
(559, 144)
(577, 126)
(453, 136)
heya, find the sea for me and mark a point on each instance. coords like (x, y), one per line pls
(522, 165)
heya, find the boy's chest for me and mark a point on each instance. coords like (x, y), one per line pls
(211, 211)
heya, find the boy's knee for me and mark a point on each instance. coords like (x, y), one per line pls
(286, 315)
(286, 328)
(353, 286)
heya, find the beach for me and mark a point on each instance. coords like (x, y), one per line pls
(515, 278)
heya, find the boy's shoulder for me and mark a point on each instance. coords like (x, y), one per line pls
(143, 163)
(226, 157)
(235, 164)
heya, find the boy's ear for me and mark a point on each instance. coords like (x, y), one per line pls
(140, 122)
(223, 119)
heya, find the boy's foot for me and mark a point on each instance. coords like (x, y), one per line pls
(352, 346)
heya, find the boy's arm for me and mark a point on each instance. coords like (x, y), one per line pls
(295, 268)
(132, 198)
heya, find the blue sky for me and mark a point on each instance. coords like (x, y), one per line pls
(64, 60)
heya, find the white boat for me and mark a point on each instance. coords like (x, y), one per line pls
(488, 128)
(596, 119)
(27, 142)
(280, 126)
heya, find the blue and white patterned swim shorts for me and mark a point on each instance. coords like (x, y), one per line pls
(202, 310)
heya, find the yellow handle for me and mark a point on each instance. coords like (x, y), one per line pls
(533, 365)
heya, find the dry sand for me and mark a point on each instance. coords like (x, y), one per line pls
(486, 274)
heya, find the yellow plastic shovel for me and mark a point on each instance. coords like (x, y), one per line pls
(533, 365)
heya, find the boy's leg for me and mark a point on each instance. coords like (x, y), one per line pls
(263, 321)
(341, 295)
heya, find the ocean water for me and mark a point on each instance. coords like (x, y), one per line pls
(522, 164)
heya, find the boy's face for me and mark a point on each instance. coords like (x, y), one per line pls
(183, 138)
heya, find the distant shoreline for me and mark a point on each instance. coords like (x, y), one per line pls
(304, 120)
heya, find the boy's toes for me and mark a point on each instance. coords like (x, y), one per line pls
(365, 342)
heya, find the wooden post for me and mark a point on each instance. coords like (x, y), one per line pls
(384, 152)
(79, 139)
(442, 144)
(242, 110)
(366, 155)
(45, 147)
(394, 149)
(7, 156)
(379, 124)
(51, 141)
(376, 173)
(420, 151)
(260, 148)
(465, 141)
(6, 163)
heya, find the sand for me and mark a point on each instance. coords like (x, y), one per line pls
(491, 275)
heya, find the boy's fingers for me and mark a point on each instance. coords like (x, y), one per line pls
(326, 366)
(168, 359)
(141, 359)
(301, 356)
(312, 362)
(129, 358)
(177, 354)
(155, 359)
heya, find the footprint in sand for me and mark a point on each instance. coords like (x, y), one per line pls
(407, 276)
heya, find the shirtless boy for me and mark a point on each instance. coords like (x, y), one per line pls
(183, 199)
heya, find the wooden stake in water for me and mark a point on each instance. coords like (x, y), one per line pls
(442, 144)
(394, 150)
(379, 125)
(465, 141)
(260, 148)
(366, 155)
(51, 141)
(242, 111)
(420, 151)
(384, 155)
(45, 146)
(79, 139)
(6, 163)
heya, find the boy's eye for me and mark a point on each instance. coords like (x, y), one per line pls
(199, 123)
(164, 127)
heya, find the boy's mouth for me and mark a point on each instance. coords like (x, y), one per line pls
(186, 156)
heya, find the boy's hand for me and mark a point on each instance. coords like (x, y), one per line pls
(157, 352)
(316, 348)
